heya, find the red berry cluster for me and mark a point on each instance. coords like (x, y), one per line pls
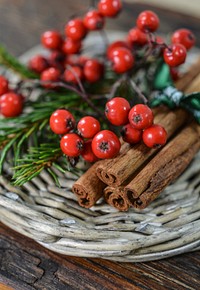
(122, 54)
(87, 141)
(64, 61)
(11, 104)
(137, 123)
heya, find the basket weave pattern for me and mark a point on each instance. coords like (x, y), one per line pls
(52, 217)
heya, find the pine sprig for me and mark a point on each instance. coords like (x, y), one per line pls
(35, 161)
(7, 60)
(30, 128)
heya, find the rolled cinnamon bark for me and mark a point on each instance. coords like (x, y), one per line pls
(88, 188)
(164, 167)
(184, 82)
(165, 176)
(123, 167)
(116, 197)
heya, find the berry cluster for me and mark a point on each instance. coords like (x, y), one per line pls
(137, 123)
(11, 104)
(64, 61)
(88, 140)
(85, 138)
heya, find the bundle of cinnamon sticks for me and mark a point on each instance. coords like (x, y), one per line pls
(139, 174)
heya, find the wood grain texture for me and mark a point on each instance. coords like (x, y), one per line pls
(26, 265)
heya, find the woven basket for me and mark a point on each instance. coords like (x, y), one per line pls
(52, 217)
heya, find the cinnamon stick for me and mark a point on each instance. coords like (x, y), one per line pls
(116, 197)
(165, 176)
(121, 168)
(184, 82)
(164, 167)
(88, 188)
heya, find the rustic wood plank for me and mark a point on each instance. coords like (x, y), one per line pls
(27, 265)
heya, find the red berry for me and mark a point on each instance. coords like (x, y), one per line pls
(51, 39)
(175, 75)
(184, 37)
(82, 60)
(56, 59)
(154, 136)
(93, 70)
(147, 21)
(117, 110)
(73, 74)
(38, 63)
(87, 152)
(88, 127)
(11, 105)
(71, 144)
(71, 46)
(75, 29)
(116, 44)
(140, 117)
(105, 144)
(131, 135)
(137, 37)
(175, 54)
(50, 75)
(61, 121)
(122, 60)
(93, 20)
(3, 85)
(109, 8)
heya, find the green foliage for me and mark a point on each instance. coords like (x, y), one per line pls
(12, 63)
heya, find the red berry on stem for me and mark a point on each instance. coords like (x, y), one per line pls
(51, 39)
(88, 127)
(136, 37)
(71, 144)
(130, 134)
(75, 29)
(3, 85)
(61, 121)
(50, 75)
(116, 111)
(74, 74)
(175, 54)
(93, 70)
(56, 59)
(71, 46)
(109, 8)
(11, 105)
(122, 60)
(184, 37)
(154, 136)
(93, 20)
(38, 63)
(87, 152)
(116, 44)
(105, 144)
(140, 117)
(147, 21)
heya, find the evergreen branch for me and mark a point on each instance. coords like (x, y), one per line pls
(11, 62)
(35, 161)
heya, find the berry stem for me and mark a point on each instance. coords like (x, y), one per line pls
(138, 91)
(116, 85)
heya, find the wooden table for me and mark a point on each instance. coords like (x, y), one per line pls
(26, 265)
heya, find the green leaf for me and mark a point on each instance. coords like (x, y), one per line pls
(162, 77)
